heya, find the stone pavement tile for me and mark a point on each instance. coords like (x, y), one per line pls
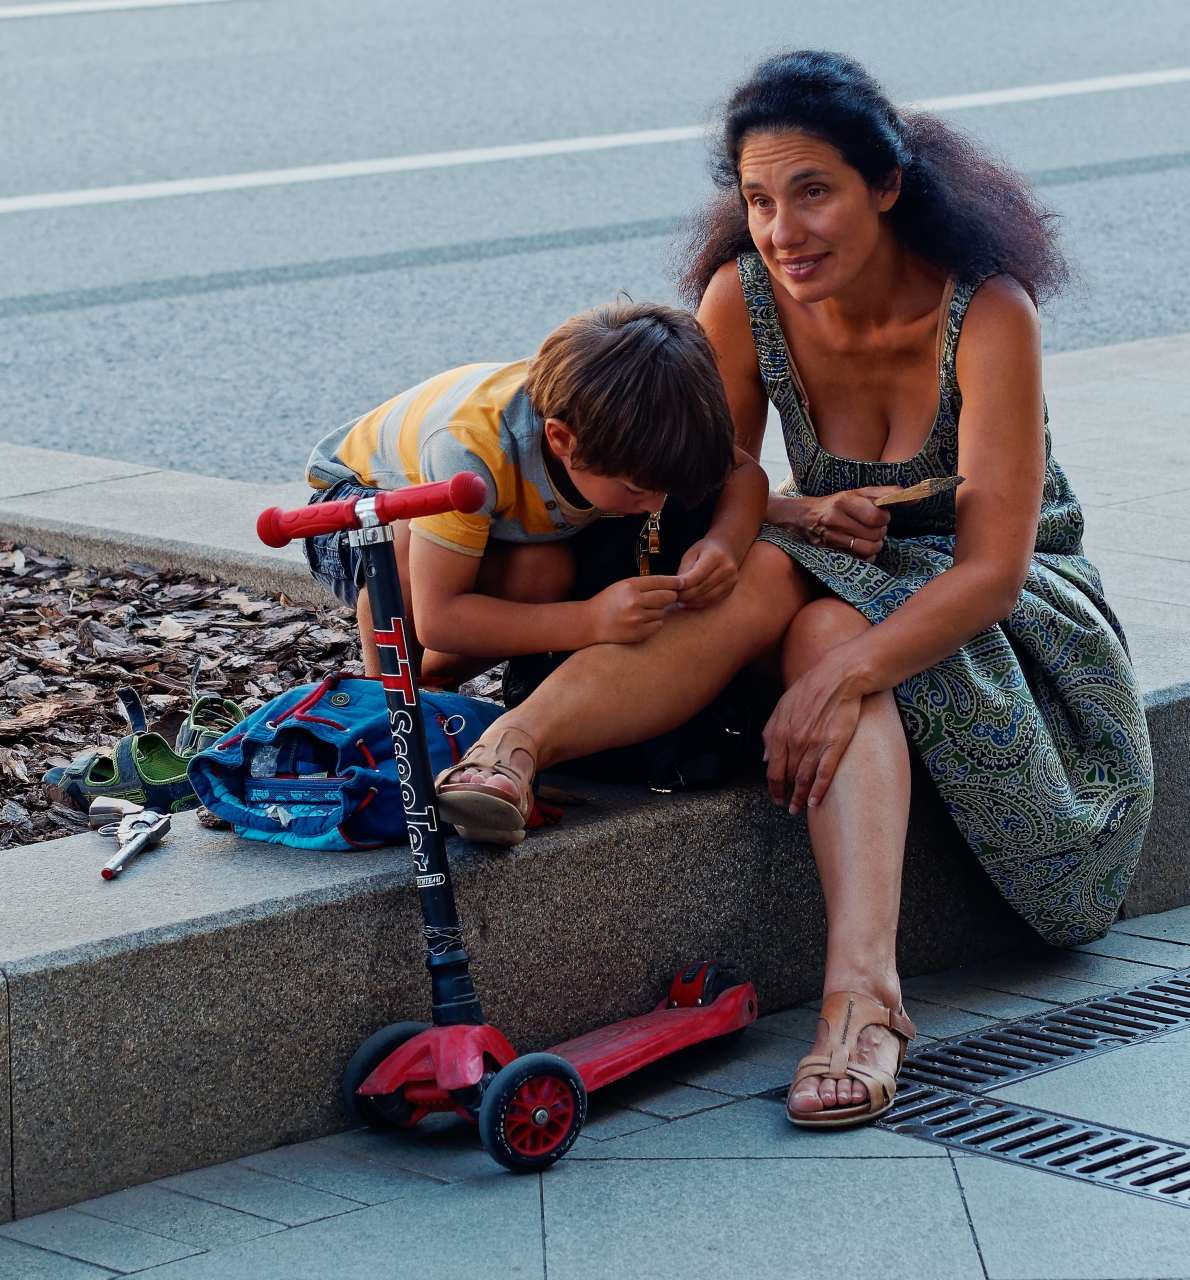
(751, 1129)
(28, 470)
(1092, 968)
(1126, 946)
(1174, 926)
(763, 1219)
(1036, 1226)
(1144, 576)
(237, 1187)
(613, 1122)
(650, 1092)
(489, 1228)
(1123, 528)
(1097, 486)
(1021, 978)
(800, 1023)
(106, 1244)
(956, 992)
(1159, 638)
(163, 1212)
(753, 1064)
(1142, 1087)
(444, 1148)
(23, 1262)
(1152, 448)
(353, 1175)
(937, 1022)
(1166, 505)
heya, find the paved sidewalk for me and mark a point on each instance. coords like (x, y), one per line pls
(689, 1171)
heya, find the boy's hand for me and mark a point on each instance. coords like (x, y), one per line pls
(630, 611)
(707, 574)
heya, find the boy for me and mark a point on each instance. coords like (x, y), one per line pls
(620, 407)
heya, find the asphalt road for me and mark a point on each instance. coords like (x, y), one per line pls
(223, 332)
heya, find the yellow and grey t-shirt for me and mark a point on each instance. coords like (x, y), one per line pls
(476, 418)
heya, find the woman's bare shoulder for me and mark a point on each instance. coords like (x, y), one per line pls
(1001, 306)
(1000, 330)
(724, 314)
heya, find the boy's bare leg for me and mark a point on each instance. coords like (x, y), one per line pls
(539, 573)
(534, 573)
(612, 695)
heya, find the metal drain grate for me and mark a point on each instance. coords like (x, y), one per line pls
(1058, 1144)
(1040, 1042)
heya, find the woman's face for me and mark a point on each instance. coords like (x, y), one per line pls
(813, 218)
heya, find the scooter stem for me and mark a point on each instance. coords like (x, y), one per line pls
(453, 995)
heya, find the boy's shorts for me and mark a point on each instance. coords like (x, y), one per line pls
(332, 561)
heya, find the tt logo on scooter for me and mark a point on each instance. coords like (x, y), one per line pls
(400, 681)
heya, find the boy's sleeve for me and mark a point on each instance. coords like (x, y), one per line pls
(443, 455)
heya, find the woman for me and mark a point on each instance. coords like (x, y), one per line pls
(851, 250)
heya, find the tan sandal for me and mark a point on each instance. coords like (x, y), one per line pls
(846, 1014)
(481, 812)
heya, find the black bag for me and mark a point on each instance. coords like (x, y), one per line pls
(718, 742)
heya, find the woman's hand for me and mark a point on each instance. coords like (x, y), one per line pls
(847, 521)
(707, 574)
(810, 729)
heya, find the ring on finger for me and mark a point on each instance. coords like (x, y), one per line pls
(851, 545)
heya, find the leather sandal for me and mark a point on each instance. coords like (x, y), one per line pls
(479, 811)
(846, 1014)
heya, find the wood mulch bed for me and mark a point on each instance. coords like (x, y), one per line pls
(70, 636)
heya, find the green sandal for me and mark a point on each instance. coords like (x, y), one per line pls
(142, 766)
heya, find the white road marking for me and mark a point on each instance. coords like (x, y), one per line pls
(1062, 89)
(63, 8)
(527, 150)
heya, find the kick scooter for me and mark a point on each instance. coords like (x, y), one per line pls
(529, 1109)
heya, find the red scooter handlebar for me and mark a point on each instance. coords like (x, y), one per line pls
(464, 492)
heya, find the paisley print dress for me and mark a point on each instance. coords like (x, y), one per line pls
(1034, 731)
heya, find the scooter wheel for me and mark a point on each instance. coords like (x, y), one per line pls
(390, 1111)
(699, 984)
(532, 1112)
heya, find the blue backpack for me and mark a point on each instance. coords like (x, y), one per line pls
(314, 768)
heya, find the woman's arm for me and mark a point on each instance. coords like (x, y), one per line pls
(724, 318)
(1002, 454)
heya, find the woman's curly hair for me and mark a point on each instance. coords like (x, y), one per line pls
(959, 208)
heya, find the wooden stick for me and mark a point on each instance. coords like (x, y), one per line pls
(923, 489)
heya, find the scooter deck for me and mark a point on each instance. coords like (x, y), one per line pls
(609, 1053)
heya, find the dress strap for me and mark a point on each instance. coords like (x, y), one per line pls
(957, 300)
(772, 355)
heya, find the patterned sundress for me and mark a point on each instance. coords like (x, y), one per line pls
(1034, 731)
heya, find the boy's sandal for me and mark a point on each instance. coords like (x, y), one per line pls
(209, 718)
(141, 767)
(846, 1014)
(479, 811)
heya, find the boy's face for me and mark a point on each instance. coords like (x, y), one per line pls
(617, 495)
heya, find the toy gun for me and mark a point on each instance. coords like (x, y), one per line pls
(134, 833)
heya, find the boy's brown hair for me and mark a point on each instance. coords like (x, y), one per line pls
(638, 385)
